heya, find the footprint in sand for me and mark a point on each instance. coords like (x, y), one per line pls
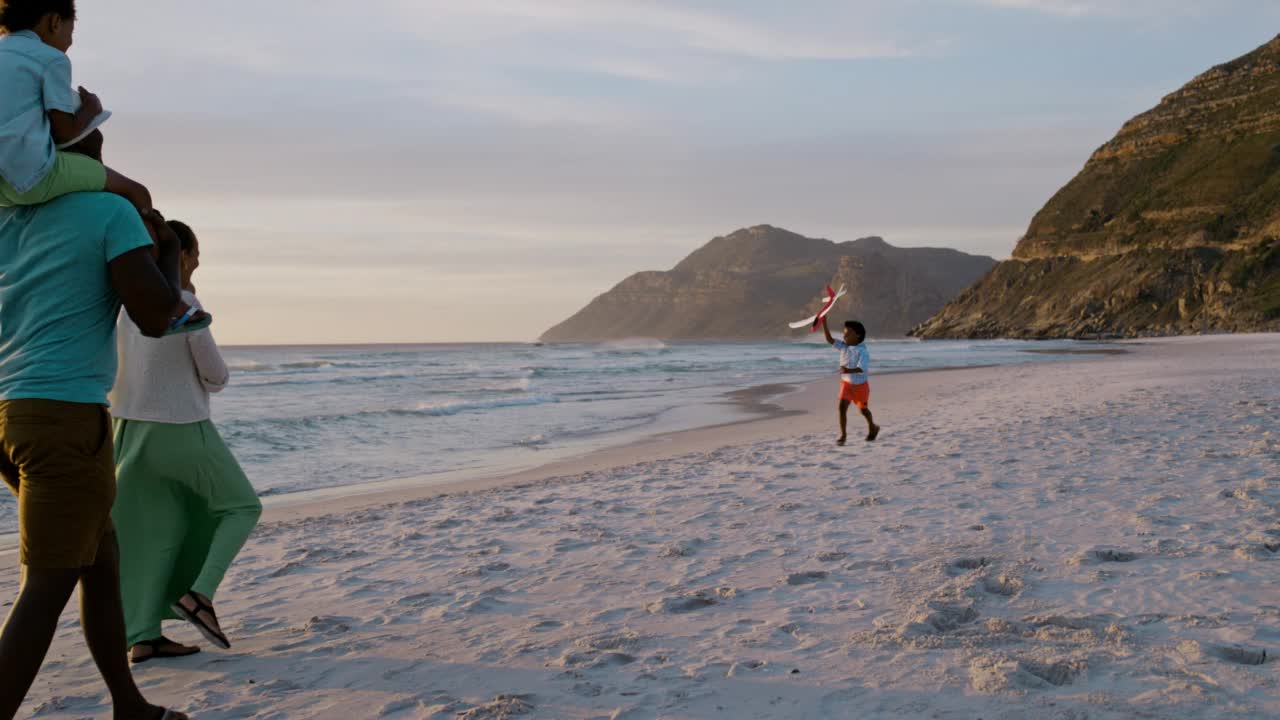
(743, 667)
(963, 565)
(1240, 654)
(932, 618)
(503, 706)
(420, 708)
(807, 577)
(1004, 585)
(1111, 555)
(680, 549)
(329, 625)
(590, 659)
(681, 605)
(995, 674)
(1195, 650)
(1261, 551)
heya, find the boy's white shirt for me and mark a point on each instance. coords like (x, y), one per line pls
(854, 356)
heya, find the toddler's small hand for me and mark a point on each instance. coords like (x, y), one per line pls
(90, 102)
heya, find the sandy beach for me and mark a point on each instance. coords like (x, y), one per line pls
(1093, 538)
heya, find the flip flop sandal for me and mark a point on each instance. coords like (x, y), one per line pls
(156, 652)
(193, 617)
(185, 324)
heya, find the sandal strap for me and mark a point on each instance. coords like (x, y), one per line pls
(201, 606)
(212, 632)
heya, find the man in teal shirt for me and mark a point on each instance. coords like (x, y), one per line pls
(65, 269)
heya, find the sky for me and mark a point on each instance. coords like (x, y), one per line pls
(450, 171)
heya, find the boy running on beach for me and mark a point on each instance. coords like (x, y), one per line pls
(43, 118)
(855, 363)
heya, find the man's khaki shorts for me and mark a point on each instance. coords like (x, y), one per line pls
(57, 458)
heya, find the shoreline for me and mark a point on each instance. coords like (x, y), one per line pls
(796, 408)
(763, 408)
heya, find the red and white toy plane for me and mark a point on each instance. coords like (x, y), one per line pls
(816, 321)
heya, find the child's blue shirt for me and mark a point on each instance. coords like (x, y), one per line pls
(34, 79)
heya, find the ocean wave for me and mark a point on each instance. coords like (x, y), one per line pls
(672, 368)
(631, 345)
(488, 384)
(307, 365)
(454, 407)
(253, 366)
(445, 408)
(250, 367)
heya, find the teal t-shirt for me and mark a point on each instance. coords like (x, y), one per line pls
(57, 306)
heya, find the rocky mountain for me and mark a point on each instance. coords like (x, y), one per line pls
(1172, 227)
(751, 283)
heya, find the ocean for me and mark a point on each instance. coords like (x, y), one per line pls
(306, 418)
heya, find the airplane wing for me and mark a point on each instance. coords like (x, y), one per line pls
(812, 321)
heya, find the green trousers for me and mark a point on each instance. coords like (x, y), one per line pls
(183, 510)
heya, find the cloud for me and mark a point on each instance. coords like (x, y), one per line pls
(1126, 9)
(654, 24)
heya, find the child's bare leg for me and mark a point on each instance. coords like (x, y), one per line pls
(131, 190)
(91, 145)
(844, 421)
(872, 428)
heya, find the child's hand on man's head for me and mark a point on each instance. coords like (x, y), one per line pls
(161, 233)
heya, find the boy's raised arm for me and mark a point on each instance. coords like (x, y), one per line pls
(827, 331)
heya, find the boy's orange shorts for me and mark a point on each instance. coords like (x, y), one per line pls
(859, 395)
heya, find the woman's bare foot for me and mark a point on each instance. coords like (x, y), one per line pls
(841, 440)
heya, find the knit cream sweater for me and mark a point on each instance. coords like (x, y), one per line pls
(168, 379)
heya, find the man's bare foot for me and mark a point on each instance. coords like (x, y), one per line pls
(161, 647)
(873, 433)
(841, 440)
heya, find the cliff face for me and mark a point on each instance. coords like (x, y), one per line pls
(750, 284)
(1170, 228)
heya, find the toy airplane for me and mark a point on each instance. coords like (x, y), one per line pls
(815, 321)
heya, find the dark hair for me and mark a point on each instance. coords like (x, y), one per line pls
(186, 237)
(857, 327)
(19, 15)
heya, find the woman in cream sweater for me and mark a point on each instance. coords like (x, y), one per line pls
(183, 508)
